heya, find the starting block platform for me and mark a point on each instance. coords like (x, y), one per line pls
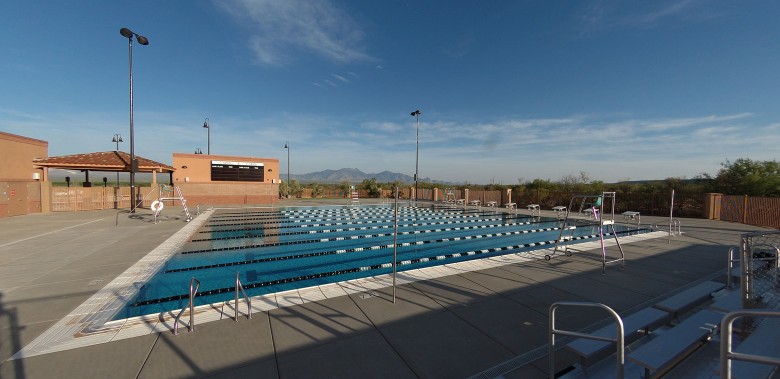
(633, 216)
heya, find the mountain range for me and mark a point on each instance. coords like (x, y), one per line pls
(352, 175)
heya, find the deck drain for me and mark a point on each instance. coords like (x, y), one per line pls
(368, 295)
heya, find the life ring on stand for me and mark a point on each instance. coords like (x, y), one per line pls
(157, 206)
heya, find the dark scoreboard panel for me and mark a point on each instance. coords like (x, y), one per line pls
(222, 171)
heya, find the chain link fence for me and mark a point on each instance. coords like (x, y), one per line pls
(759, 269)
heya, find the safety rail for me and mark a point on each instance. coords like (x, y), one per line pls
(730, 264)
(674, 228)
(619, 340)
(193, 292)
(727, 355)
(248, 300)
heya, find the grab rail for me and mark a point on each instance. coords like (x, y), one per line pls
(726, 355)
(730, 264)
(193, 292)
(619, 339)
(248, 300)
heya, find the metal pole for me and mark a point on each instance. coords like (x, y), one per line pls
(132, 135)
(117, 139)
(671, 218)
(417, 159)
(395, 242)
(207, 125)
(287, 146)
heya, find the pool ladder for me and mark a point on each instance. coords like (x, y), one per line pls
(194, 286)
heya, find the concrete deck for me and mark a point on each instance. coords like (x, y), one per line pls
(453, 326)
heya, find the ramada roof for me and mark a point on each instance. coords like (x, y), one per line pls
(103, 161)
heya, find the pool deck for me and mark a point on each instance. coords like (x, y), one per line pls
(456, 325)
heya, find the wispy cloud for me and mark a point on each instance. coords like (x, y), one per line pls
(614, 14)
(339, 77)
(282, 30)
(608, 147)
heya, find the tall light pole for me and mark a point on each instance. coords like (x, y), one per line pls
(417, 114)
(287, 146)
(208, 126)
(129, 34)
(117, 138)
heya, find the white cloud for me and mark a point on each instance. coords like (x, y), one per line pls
(282, 30)
(614, 14)
(339, 77)
(606, 147)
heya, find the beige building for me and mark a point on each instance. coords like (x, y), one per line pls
(20, 180)
(204, 180)
(224, 179)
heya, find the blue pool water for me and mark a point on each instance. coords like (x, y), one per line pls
(289, 248)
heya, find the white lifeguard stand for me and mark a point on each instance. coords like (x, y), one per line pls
(593, 210)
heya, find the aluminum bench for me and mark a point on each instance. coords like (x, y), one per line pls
(634, 326)
(689, 298)
(664, 351)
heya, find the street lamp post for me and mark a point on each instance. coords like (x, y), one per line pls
(417, 114)
(127, 33)
(117, 138)
(287, 146)
(208, 126)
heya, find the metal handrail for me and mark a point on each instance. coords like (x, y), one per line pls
(619, 340)
(730, 263)
(248, 300)
(726, 355)
(193, 292)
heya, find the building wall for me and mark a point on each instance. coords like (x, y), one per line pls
(20, 188)
(193, 176)
(196, 168)
(16, 157)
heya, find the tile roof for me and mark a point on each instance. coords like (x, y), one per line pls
(106, 161)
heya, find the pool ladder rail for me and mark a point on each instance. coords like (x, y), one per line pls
(194, 286)
(157, 205)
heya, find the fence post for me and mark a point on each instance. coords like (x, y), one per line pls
(745, 210)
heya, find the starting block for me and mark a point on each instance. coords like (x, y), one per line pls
(629, 215)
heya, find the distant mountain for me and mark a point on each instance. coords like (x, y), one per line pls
(353, 175)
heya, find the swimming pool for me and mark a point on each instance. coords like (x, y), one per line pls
(280, 249)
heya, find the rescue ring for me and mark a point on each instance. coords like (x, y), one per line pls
(157, 206)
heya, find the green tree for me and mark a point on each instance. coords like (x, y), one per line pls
(748, 177)
(317, 190)
(295, 188)
(345, 188)
(371, 186)
(284, 189)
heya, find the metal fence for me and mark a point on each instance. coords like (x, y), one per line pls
(759, 269)
(654, 204)
(761, 211)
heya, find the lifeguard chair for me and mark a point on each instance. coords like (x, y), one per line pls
(593, 210)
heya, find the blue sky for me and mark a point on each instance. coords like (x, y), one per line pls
(508, 90)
